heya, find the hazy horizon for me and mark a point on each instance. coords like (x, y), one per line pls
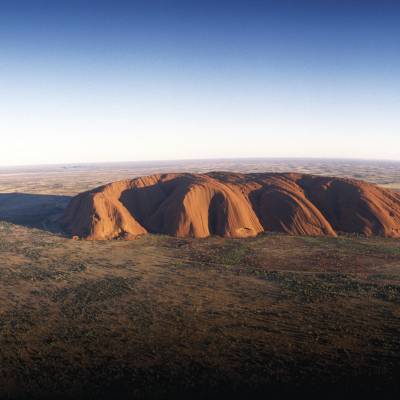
(201, 160)
(95, 81)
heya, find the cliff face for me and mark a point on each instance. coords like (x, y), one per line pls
(233, 205)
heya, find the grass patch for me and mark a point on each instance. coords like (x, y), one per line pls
(357, 245)
(320, 287)
(229, 253)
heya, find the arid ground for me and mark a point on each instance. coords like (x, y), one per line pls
(162, 317)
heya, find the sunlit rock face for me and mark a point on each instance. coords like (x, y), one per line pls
(233, 205)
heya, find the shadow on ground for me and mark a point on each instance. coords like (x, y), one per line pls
(33, 210)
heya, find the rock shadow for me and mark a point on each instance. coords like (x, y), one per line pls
(41, 211)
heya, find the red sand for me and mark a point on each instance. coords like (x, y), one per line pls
(233, 205)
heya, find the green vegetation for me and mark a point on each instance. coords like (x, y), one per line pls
(162, 311)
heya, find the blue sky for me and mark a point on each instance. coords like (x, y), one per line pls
(86, 81)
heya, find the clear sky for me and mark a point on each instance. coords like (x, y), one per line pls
(86, 81)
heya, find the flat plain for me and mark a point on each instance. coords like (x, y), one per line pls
(162, 317)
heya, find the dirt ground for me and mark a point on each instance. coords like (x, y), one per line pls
(162, 317)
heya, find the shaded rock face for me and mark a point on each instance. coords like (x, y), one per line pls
(233, 205)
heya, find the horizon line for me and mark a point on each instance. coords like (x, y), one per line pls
(84, 163)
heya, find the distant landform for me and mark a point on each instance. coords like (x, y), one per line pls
(233, 205)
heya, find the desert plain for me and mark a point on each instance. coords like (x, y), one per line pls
(167, 317)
